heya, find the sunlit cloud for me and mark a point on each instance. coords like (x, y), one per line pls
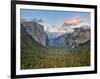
(72, 21)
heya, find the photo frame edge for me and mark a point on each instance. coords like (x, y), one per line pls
(13, 39)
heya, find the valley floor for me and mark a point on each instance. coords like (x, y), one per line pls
(57, 57)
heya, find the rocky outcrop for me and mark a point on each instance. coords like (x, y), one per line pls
(36, 31)
(79, 36)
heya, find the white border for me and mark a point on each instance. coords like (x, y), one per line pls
(51, 70)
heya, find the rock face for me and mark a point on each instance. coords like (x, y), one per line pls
(36, 31)
(79, 36)
(70, 40)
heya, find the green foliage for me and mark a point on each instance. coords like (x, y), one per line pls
(34, 55)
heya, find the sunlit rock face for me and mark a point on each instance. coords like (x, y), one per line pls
(36, 31)
(79, 36)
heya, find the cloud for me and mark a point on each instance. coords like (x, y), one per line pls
(72, 21)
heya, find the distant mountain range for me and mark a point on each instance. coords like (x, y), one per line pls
(64, 36)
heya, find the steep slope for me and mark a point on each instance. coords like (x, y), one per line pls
(74, 39)
(36, 31)
(31, 50)
(79, 36)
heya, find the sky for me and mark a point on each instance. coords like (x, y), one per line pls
(55, 18)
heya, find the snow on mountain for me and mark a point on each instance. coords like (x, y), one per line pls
(54, 32)
(57, 35)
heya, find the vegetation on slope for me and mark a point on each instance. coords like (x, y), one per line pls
(31, 51)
